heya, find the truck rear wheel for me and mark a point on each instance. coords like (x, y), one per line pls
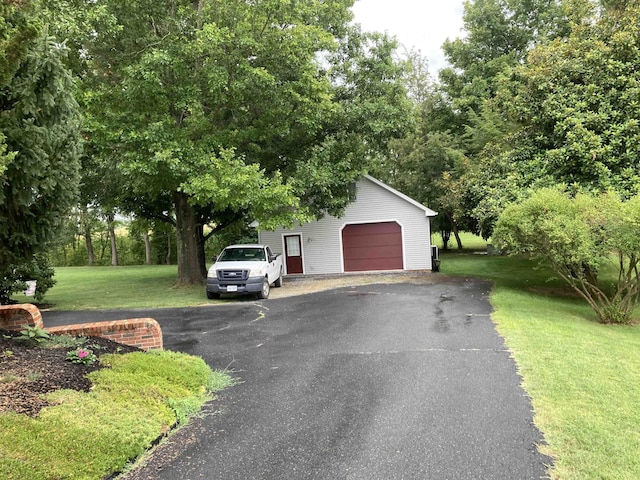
(264, 292)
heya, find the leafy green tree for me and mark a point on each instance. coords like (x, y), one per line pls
(422, 166)
(442, 161)
(500, 33)
(577, 237)
(263, 110)
(17, 29)
(423, 163)
(577, 100)
(40, 122)
(570, 111)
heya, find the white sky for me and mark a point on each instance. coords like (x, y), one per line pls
(420, 24)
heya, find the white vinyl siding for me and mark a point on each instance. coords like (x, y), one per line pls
(322, 240)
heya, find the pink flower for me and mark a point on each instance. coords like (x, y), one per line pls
(82, 353)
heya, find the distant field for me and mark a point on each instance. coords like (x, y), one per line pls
(470, 242)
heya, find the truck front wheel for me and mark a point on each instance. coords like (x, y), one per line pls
(264, 292)
(278, 282)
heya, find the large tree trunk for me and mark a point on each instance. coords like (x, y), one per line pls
(112, 239)
(147, 248)
(89, 242)
(189, 270)
(457, 235)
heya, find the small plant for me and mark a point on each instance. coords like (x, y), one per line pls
(82, 355)
(96, 346)
(33, 334)
(7, 353)
(66, 341)
(8, 378)
(33, 376)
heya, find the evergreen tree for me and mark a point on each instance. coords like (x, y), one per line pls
(40, 123)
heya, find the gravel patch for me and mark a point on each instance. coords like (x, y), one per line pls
(294, 285)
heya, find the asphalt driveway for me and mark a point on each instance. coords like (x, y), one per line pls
(388, 382)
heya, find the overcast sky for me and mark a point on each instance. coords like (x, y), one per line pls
(421, 24)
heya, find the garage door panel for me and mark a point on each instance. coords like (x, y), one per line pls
(377, 228)
(372, 246)
(374, 252)
(372, 240)
(369, 265)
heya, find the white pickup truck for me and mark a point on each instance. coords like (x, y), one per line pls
(245, 269)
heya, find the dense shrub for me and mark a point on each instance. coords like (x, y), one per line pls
(577, 236)
(14, 280)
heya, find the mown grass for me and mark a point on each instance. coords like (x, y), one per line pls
(583, 380)
(470, 242)
(582, 376)
(92, 435)
(86, 288)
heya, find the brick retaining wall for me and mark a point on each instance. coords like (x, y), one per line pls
(144, 333)
(14, 317)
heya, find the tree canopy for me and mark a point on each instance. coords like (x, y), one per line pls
(574, 107)
(500, 33)
(538, 93)
(448, 160)
(220, 110)
(577, 100)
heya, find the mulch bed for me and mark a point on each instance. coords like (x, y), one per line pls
(29, 372)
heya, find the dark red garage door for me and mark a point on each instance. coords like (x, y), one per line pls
(372, 246)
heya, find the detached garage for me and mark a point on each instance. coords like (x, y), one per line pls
(381, 230)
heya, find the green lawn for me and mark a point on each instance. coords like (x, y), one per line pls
(81, 288)
(90, 435)
(469, 241)
(583, 380)
(583, 377)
